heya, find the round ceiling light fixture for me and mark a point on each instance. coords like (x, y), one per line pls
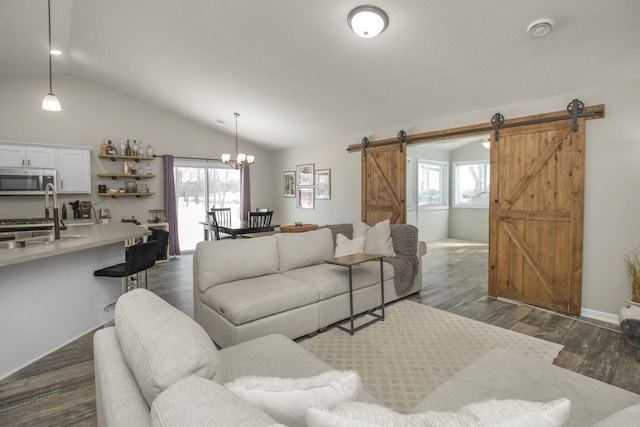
(368, 21)
(540, 27)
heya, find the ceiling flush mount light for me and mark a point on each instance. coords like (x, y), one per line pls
(368, 21)
(240, 158)
(540, 27)
(486, 143)
(50, 102)
(55, 52)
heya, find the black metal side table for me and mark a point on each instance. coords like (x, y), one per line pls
(349, 261)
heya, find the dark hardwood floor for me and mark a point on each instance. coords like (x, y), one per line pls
(59, 389)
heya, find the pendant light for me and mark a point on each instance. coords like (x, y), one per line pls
(240, 158)
(50, 101)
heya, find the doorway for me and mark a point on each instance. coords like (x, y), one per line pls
(201, 186)
(448, 189)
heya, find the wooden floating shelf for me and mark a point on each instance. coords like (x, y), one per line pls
(124, 175)
(134, 158)
(118, 194)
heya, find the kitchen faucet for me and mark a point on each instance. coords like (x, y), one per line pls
(56, 221)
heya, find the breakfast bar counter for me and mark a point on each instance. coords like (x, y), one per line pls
(49, 295)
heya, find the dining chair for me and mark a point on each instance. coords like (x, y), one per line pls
(219, 217)
(260, 219)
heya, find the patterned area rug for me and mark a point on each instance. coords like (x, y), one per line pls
(416, 349)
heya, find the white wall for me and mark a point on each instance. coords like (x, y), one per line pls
(90, 113)
(468, 223)
(612, 206)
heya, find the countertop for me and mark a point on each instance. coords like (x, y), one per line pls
(94, 235)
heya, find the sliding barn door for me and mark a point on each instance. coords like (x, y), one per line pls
(536, 215)
(383, 184)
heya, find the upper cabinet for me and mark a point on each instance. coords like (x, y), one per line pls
(14, 155)
(73, 166)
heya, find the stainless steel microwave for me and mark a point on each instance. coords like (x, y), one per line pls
(25, 181)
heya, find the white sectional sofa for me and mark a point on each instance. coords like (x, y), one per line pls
(158, 367)
(247, 288)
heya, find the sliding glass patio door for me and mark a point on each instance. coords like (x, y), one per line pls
(201, 186)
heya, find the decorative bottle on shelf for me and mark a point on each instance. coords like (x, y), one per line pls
(125, 168)
(141, 149)
(127, 150)
(149, 149)
(110, 150)
(123, 148)
(134, 149)
(149, 168)
(103, 147)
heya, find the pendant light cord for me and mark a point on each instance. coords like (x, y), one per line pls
(236, 114)
(50, 77)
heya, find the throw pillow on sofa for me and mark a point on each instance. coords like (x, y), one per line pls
(377, 239)
(493, 413)
(345, 247)
(160, 344)
(286, 400)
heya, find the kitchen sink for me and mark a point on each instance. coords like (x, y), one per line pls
(45, 239)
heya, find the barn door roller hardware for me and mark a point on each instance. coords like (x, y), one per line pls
(402, 135)
(497, 120)
(575, 108)
(365, 144)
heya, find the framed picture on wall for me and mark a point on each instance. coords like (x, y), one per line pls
(305, 197)
(290, 184)
(323, 184)
(304, 174)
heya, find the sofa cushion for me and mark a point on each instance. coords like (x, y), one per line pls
(626, 417)
(377, 239)
(162, 345)
(296, 250)
(246, 300)
(287, 399)
(196, 401)
(222, 261)
(331, 280)
(513, 413)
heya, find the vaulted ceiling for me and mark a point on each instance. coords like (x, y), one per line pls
(298, 75)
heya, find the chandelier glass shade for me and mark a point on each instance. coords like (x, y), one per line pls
(241, 158)
(50, 101)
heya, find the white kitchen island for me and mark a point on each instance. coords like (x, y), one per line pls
(49, 295)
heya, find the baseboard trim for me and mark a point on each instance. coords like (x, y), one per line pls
(600, 315)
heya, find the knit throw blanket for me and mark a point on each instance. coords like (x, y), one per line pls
(405, 244)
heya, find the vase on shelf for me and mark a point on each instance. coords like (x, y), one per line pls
(630, 323)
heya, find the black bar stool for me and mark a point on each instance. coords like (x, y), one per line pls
(139, 258)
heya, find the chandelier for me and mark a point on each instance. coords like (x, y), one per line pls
(240, 158)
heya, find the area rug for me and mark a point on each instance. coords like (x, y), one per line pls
(416, 349)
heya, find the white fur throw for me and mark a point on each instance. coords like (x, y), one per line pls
(286, 400)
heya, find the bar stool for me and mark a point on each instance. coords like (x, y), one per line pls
(139, 258)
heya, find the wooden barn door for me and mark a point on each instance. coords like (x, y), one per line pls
(536, 215)
(383, 184)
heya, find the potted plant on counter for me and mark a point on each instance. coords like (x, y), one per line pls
(630, 314)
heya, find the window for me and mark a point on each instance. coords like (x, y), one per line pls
(198, 188)
(432, 184)
(471, 183)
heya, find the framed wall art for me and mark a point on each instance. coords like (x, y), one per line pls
(323, 184)
(304, 174)
(305, 197)
(290, 184)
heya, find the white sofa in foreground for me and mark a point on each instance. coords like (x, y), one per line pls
(158, 367)
(247, 288)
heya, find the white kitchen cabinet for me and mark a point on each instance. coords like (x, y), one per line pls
(73, 167)
(15, 155)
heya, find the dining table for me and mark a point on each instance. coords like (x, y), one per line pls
(237, 228)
